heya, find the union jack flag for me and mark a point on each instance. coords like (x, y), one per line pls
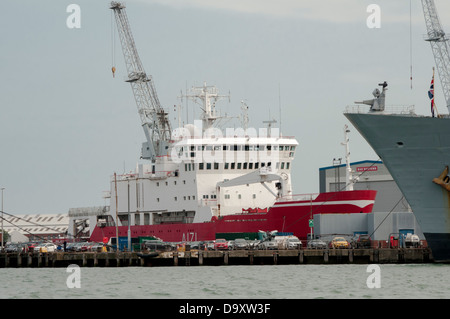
(431, 95)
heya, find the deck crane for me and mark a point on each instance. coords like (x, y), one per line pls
(439, 45)
(154, 119)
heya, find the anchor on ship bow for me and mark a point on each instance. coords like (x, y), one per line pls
(443, 179)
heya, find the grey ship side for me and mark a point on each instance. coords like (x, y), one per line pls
(416, 151)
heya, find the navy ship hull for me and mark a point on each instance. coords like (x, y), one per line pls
(416, 151)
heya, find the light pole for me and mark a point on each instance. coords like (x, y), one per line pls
(2, 189)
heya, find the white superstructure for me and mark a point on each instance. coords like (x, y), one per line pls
(184, 186)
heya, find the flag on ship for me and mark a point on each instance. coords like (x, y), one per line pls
(431, 95)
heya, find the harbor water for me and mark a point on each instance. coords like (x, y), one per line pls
(393, 281)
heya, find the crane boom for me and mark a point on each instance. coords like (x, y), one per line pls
(154, 119)
(439, 45)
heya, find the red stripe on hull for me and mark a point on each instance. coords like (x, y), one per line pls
(293, 217)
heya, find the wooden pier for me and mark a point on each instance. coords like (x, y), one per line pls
(210, 258)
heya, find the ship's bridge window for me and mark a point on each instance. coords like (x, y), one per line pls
(281, 147)
(292, 148)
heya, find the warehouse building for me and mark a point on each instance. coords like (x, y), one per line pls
(391, 213)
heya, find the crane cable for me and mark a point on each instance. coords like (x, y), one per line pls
(113, 45)
(410, 44)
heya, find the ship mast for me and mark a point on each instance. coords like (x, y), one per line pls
(348, 171)
(206, 96)
(154, 119)
(439, 45)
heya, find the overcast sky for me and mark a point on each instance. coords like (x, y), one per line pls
(67, 125)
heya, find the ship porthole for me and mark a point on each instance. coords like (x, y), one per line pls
(399, 144)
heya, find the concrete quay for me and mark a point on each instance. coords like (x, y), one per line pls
(232, 257)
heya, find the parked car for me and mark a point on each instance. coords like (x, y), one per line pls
(269, 244)
(293, 243)
(87, 246)
(240, 243)
(339, 242)
(16, 248)
(74, 247)
(97, 247)
(45, 248)
(316, 244)
(220, 244)
(363, 241)
(31, 245)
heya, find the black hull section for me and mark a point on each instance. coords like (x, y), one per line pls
(439, 244)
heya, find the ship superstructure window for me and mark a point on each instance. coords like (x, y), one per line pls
(287, 165)
(226, 165)
(208, 165)
(250, 165)
(227, 196)
(216, 165)
(200, 165)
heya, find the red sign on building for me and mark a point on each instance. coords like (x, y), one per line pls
(367, 169)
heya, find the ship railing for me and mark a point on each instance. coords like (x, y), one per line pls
(298, 197)
(147, 174)
(390, 109)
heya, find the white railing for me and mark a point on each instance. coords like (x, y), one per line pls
(299, 197)
(391, 109)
